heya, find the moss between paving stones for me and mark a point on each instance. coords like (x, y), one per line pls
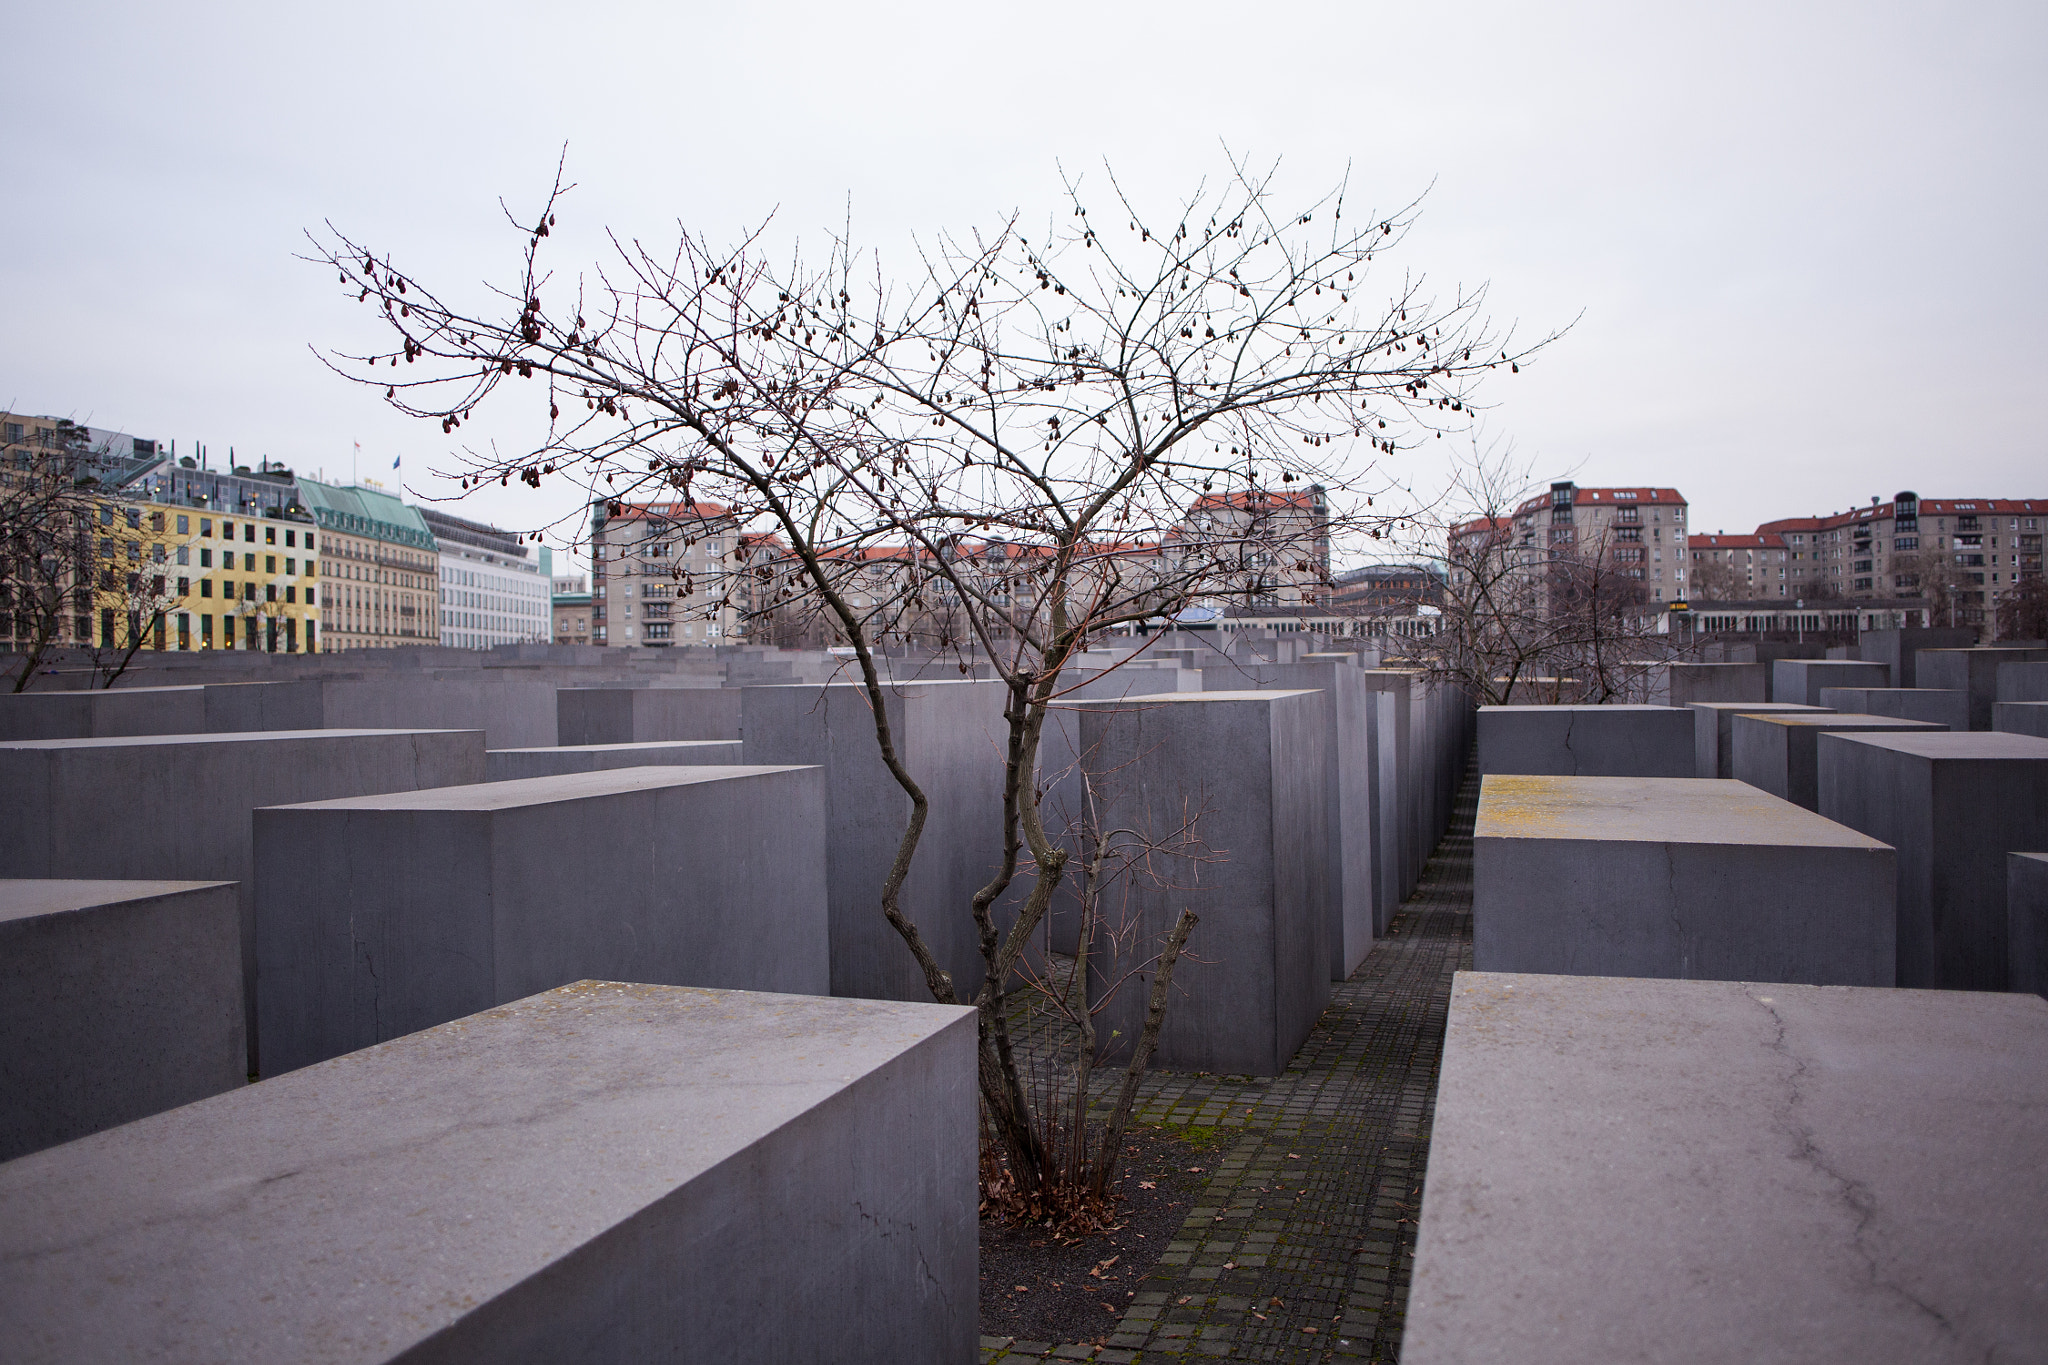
(1299, 1246)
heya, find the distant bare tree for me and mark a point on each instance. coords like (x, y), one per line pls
(2023, 610)
(1527, 621)
(1018, 429)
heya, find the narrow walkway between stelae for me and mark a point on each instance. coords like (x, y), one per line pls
(1300, 1246)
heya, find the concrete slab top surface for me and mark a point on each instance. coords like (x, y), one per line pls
(1595, 709)
(1759, 708)
(1161, 698)
(33, 897)
(545, 791)
(640, 746)
(1844, 720)
(356, 1207)
(1665, 810)
(1625, 1169)
(223, 737)
(1960, 744)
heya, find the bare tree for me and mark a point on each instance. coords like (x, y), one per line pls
(45, 548)
(1715, 581)
(1068, 395)
(2023, 610)
(1532, 621)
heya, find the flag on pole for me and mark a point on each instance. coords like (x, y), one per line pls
(394, 463)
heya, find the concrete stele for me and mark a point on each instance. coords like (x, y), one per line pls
(1713, 731)
(604, 1172)
(118, 999)
(1587, 741)
(157, 806)
(1779, 754)
(380, 915)
(1974, 671)
(1801, 680)
(1675, 877)
(1255, 765)
(2021, 718)
(1935, 704)
(2026, 918)
(1953, 806)
(505, 765)
(1740, 1172)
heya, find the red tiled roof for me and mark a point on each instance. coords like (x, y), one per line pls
(670, 511)
(1247, 498)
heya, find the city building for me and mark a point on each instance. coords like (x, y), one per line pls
(1729, 568)
(1959, 554)
(661, 573)
(380, 568)
(1639, 533)
(495, 588)
(572, 610)
(1261, 548)
(1387, 589)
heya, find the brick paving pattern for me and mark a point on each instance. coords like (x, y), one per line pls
(1300, 1246)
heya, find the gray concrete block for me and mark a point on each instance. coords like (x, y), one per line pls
(1779, 753)
(2022, 682)
(1740, 1173)
(604, 1173)
(1403, 753)
(117, 1000)
(1974, 671)
(515, 708)
(1689, 684)
(1953, 806)
(641, 715)
(381, 915)
(2026, 922)
(1714, 729)
(950, 736)
(101, 713)
(1899, 649)
(2021, 717)
(1935, 704)
(150, 807)
(1348, 706)
(1255, 765)
(504, 765)
(1587, 741)
(1801, 680)
(1675, 877)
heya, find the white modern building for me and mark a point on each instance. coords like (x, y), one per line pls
(495, 588)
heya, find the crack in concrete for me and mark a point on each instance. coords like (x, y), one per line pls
(1852, 1194)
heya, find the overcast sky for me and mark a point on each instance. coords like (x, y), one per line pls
(1804, 244)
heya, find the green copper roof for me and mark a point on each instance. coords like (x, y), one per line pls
(365, 512)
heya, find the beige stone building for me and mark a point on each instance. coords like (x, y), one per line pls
(379, 566)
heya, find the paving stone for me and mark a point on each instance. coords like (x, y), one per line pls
(1315, 1185)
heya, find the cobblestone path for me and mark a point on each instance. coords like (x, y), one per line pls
(1300, 1246)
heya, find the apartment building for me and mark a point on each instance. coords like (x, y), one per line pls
(1639, 533)
(1738, 568)
(380, 566)
(571, 606)
(1380, 589)
(1257, 546)
(495, 587)
(662, 573)
(1962, 551)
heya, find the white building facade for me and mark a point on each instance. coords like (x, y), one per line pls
(495, 588)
